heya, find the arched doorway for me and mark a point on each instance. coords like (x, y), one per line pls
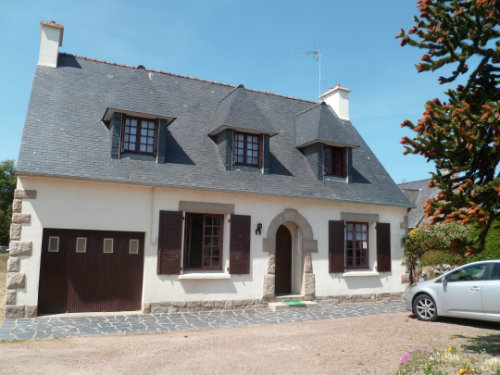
(283, 261)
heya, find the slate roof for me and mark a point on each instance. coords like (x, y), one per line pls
(65, 137)
(417, 192)
(320, 124)
(237, 110)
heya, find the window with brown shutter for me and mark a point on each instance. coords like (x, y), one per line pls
(239, 247)
(169, 243)
(357, 249)
(336, 246)
(383, 247)
(203, 234)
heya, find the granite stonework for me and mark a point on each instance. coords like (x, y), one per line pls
(196, 306)
(19, 218)
(24, 194)
(17, 205)
(10, 297)
(15, 232)
(15, 280)
(13, 264)
(18, 248)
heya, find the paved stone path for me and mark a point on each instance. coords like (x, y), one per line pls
(70, 326)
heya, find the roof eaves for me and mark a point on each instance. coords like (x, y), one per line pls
(204, 188)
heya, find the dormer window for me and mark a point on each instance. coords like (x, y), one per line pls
(247, 150)
(334, 161)
(139, 136)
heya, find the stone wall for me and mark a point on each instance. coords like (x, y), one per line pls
(18, 250)
(195, 306)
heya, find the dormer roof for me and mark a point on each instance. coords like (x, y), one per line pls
(238, 111)
(319, 124)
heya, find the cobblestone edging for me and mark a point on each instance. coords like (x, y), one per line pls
(17, 248)
(121, 324)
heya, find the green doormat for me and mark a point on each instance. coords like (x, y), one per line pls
(294, 303)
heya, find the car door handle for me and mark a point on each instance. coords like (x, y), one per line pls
(475, 289)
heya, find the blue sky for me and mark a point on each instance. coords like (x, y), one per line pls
(250, 42)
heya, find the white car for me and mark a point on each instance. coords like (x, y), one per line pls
(471, 291)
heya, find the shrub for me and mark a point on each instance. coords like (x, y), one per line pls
(492, 243)
(432, 257)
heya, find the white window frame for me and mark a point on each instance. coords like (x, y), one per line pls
(130, 241)
(84, 246)
(104, 246)
(49, 249)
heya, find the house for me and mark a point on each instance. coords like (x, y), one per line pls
(417, 193)
(145, 190)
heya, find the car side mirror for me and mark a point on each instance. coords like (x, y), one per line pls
(445, 281)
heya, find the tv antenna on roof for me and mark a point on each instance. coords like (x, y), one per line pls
(317, 56)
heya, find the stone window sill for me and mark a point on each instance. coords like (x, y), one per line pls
(204, 276)
(360, 274)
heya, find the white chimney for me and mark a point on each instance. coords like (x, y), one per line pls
(51, 40)
(338, 99)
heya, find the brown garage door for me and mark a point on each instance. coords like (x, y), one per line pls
(89, 271)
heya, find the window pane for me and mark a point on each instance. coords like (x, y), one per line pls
(81, 245)
(133, 246)
(53, 244)
(108, 245)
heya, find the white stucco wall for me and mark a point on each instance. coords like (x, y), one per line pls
(66, 204)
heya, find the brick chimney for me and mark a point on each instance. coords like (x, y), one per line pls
(51, 40)
(338, 99)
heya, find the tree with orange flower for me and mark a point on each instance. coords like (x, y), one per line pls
(462, 134)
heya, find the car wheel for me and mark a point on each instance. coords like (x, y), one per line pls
(424, 308)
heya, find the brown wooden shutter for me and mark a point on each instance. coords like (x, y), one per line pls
(336, 246)
(169, 243)
(383, 247)
(239, 246)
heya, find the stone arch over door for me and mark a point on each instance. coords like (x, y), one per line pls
(307, 246)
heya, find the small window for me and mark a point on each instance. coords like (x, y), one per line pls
(357, 245)
(133, 246)
(139, 136)
(247, 150)
(108, 246)
(334, 161)
(81, 245)
(53, 244)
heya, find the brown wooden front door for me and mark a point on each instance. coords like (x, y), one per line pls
(90, 271)
(283, 271)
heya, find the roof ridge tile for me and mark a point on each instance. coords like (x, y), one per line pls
(182, 76)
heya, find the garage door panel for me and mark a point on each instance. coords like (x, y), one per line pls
(91, 280)
(52, 287)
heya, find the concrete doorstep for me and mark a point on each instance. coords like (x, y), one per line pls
(278, 306)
